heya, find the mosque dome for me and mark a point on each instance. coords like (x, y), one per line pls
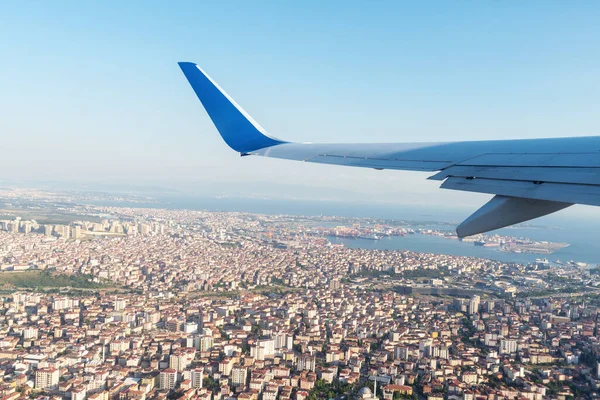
(365, 393)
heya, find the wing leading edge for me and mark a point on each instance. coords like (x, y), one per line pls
(529, 177)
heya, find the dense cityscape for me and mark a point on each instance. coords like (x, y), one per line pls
(300, 200)
(131, 303)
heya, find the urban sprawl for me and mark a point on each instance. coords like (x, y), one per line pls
(140, 304)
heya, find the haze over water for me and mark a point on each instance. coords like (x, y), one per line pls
(579, 232)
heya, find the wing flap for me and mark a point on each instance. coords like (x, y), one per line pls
(582, 176)
(502, 211)
(559, 192)
(532, 159)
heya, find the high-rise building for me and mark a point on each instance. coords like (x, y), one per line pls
(265, 347)
(46, 378)
(48, 230)
(168, 379)
(257, 352)
(144, 229)
(239, 376)
(225, 366)
(178, 361)
(197, 376)
(426, 348)
(115, 227)
(203, 343)
(401, 352)
(190, 327)
(132, 230)
(62, 303)
(63, 231)
(508, 346)
(30, 333)
(306, 362)
(280, 339)
(474, 305)
(444, 353)
(120, 304)
(460, 305)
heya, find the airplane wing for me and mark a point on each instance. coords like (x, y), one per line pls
(529, 177)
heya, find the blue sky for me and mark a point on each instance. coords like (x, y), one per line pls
(91, 91)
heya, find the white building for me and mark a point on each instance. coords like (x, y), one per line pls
(197, 377)
(508, 346)
(46, 378)
(168, 379)
(239, 376)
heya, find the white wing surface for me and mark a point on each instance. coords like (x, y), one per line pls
(529, 178)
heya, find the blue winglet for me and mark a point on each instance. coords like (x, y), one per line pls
(238, 129)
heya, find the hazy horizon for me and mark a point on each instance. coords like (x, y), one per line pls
(294, 202)
(95, 95)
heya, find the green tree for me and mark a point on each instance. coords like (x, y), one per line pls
(210, 384)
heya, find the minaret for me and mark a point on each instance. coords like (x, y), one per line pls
(375, 387)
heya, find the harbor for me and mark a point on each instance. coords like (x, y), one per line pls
(425, 243)
(490, 243)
